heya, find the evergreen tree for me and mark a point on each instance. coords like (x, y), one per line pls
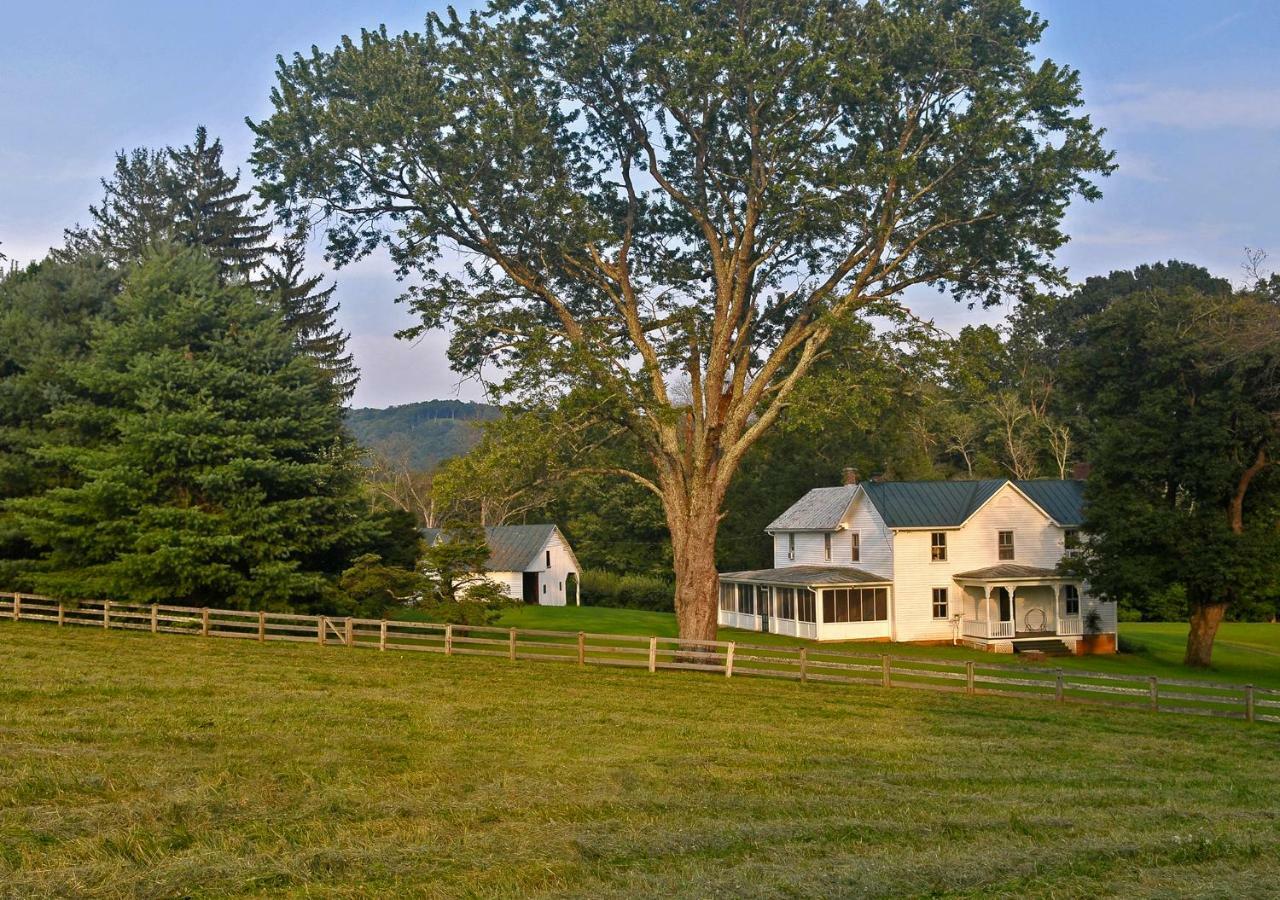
(136, 212)
(309, 311)
(210, 211)
(46, 316)
(207, 457)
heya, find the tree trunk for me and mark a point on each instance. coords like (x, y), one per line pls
(693, 542)
(1205, 619)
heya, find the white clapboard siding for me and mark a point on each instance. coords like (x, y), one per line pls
(875, 538)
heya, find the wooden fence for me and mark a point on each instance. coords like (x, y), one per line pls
(814, 663)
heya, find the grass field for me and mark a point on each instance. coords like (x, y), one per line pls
(141, 765)
(1244, 653)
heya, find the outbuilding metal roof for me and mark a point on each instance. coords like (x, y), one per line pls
(929, 504)
(512, 548)
(806, 576)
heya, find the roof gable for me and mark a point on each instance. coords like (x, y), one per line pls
(822, 509)
(512, 548)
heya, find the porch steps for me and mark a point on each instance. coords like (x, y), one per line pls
(1047, 646)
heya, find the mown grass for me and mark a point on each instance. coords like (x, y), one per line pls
(140, 765)
(1244, 653)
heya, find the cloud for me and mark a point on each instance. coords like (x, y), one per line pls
(1141, 106)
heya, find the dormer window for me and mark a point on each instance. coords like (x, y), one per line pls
(938, 546)
(1004, 544)
(826, 545)
(855, 547)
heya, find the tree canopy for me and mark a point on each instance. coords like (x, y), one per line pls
(678, 194)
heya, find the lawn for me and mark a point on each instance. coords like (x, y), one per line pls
(141, 765)
(1244, 653)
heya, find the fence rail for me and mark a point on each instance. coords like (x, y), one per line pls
(730, 658)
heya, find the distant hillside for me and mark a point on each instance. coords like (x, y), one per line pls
(426, 432)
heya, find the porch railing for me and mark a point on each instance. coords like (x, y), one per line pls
(1070, 625)
(974, 628)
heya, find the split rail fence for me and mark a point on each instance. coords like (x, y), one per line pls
(814, 663)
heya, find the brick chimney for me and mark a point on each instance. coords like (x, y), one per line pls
(1080, 471)
(850, 475)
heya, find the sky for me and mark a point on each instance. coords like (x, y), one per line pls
(1189, 93)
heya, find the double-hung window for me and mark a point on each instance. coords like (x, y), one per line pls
(1004, 544)
(938, 546)
(940, 603)
(826, 545)
(1071, 599)
(855, 547)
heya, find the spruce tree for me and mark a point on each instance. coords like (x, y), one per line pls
(309, 310)
(207, 459)
(136, 212)
(210, 211)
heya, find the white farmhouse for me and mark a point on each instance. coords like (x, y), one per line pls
(533, 563)
(926, 561)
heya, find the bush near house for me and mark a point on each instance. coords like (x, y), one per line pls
(600, 588)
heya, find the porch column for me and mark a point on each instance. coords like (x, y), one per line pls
(1013, 609)
(986, 594)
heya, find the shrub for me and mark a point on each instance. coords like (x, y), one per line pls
(600, 588)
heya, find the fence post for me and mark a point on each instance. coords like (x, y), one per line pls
(17, 606)
(886, 665)
(1154, 685)
(511, 645)
(1248, 703)
(382, 635)
(1059, 688)
(106, 613)
(968, 677)
(804, 664)
(351, 633)
(582, 648)
(653, 654)
(728, 660)
(320, 630)
(204, 622)
(448, 639)
(155, 618)
(262, 625)
(62, 614)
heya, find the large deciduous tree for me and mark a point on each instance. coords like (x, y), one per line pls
(1180, 380)
(672, 205)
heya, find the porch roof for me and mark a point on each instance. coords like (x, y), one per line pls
(1009, 572)
(807, 576)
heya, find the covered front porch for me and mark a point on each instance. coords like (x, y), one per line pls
(1019, 603)
(818, 602)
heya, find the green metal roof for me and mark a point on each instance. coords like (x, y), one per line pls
(1062, 500)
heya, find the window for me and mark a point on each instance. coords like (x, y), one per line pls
(728, 597)
(1071, 597)
(544, 589)
(791, 545)
(938, 546)
(806, 606)
(855, 605)
(785, 603)
(1004, 543)
(855, 547)
(1071, 541)
(826, 544)
(548, 559)
(763, 606)
(746, 599)
(940, 603)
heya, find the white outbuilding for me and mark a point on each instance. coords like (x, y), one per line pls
(532, 563)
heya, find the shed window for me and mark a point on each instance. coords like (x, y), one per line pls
(548, 559)
(938, 546)
(855, 605)
(1071, 598)
(1004, 543)
(826, 544)
(855, 547)
(940, 603)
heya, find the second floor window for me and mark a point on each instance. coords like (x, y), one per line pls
(855, 547)
(791, 546)
(938, 546)
(826, 544)
(1004, 540)
(1071, 539)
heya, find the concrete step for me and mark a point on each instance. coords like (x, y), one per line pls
(1045, 646)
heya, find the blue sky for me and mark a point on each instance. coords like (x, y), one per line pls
(1190, 93)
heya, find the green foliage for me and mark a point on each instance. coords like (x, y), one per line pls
(370, 588)
(425, 433)
(454, 566)
(205, 457)
(601, 588)
(1184, 493)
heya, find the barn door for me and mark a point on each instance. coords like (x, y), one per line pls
(529, 590)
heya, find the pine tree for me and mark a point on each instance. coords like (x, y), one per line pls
(207, 459)
(136, 213)
(309, 311)
(209, 211)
